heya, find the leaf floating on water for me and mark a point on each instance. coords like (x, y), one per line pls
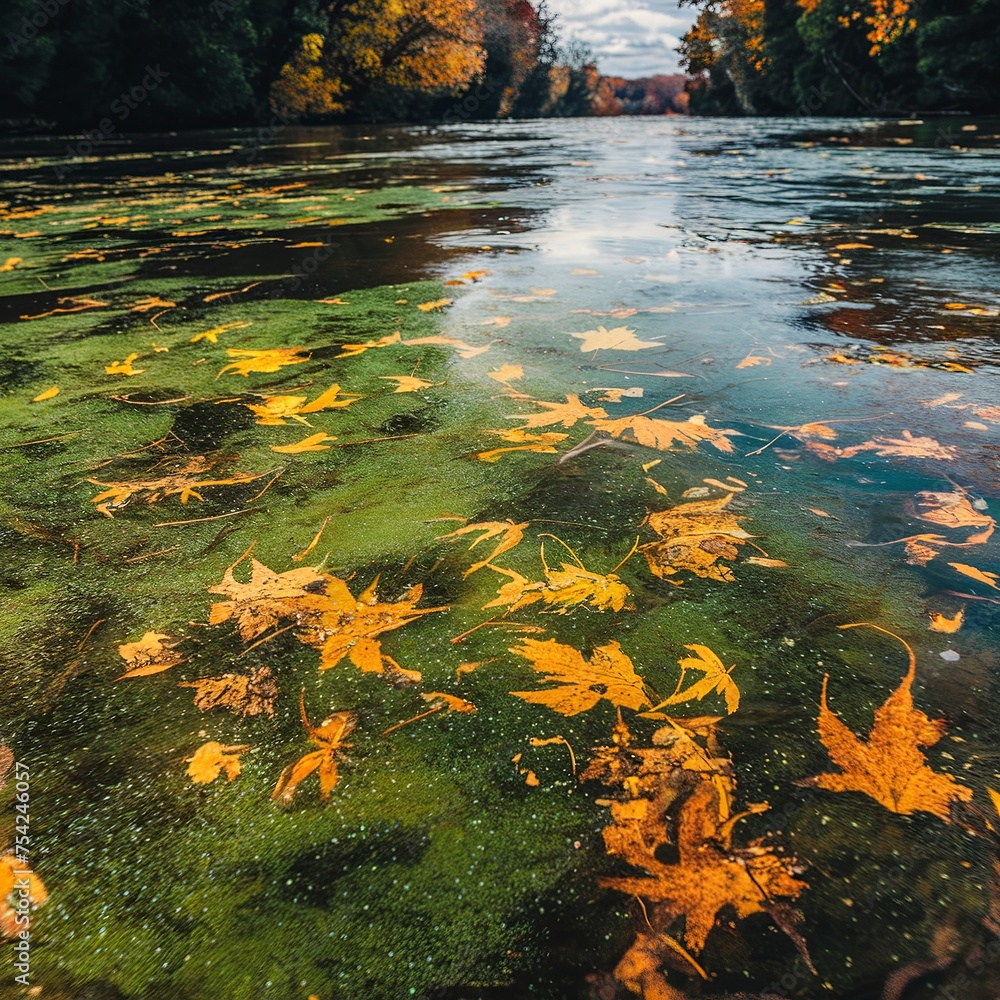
(436, 306)
(889, 766)
(266, 599)
(275, 410)
(580, 683)
(617, 395)
(124, 367)
(212, 336)
(245, 695)
(717, 678)
(150, 303)
(542, 443)
(952, 510)
(315, 442)
(353, 350)
(409, 383)
(211, 759)
(621, 338)
(9, 264)
(662, 434)
(695, 537)
(983, 576)
(267, 361)
(48, 394)
(464, 350)
(509, 533)
(329, 736)
(752, 360)
(942, 623)
(567, 413)
(505, 374)
(152, 654)
(905, 446)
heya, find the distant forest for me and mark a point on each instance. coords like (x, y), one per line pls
(127, 65)
(841, 57)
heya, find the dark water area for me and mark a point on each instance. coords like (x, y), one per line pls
(802, 318)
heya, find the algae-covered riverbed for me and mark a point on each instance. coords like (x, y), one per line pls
(426, 554)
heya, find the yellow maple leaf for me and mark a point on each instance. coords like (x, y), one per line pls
(982, 575)
(751, 360)
(244, 694)
(69, 304)
(275, 410)
(266, 361)
(567, 413)
(152, 654)
(315, 442)
(435, 306)
(353, 350)
(211, 759)
(509, 533)
(212, 336)
(507, 373)
(149, 303)
(717, 678)
(329, 736)
(48, 394)
(889, 766)
(942, 623)
(409, 383)
(662, 434)
(541, 443)
(695, 536)
(580, 683)
(124, 367)
(621, 338)
(10, 263)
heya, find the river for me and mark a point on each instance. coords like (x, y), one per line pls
(427, 552)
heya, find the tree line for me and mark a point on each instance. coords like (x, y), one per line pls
(841, 57)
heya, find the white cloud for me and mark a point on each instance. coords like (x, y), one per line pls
(630, 39)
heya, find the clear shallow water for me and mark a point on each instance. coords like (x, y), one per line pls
(794, 272)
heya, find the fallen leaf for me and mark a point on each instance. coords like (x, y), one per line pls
(72, 305)
(212, 336)
(435, 306)
(211, 759)
(464, 350)
(983, 576)
(751, 360)
(152, 654)
(276, 410)
(509, 533)
(246, 695)
(695, 537)
(566, 414)
(124, 367)
(409, 383)
(500, 321)
(621, 338)
(717, 678)
(329, 736)
(617, 395)
(18, 883)
(315, 442)
(10, 263)
(149, 303)
(661, 434)
(889, 766)
(942, 623)
(263, 361)
(48, 394)
(506, 373)
(580, 683)
(353, 350)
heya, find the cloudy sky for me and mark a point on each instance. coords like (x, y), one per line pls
(630, 37)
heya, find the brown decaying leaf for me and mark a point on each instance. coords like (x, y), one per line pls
(905, 446)
(695, 537)
(329, 736)
(211, 759)
(581, 683)
(685, 783)
(889, 766)
(567, 413)
(186, 482)
(266, 361)
(246, 695)
(15, 878)
(152, 654)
